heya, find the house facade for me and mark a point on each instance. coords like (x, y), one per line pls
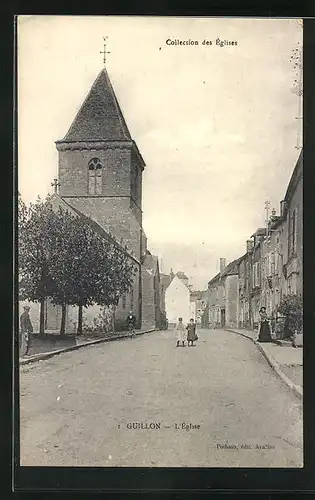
(177, 301)
(292, 231)
(223, 296)
(271, 268)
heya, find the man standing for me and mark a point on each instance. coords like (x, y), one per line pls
(131, 322)
(26, 329)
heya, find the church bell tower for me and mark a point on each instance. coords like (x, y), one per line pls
(100, 167)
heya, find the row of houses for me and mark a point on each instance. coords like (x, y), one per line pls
(270, 268)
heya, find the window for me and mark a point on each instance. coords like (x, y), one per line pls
(256, 274)
(292, 232)
(95, 176)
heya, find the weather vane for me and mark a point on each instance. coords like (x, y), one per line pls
(104, 52)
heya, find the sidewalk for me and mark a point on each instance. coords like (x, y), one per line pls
(80, 342)
(286, 361)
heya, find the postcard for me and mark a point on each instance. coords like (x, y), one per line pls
(160, 220)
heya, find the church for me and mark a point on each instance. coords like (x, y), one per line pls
(100, 177)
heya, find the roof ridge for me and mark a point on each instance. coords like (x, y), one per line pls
(118, 108)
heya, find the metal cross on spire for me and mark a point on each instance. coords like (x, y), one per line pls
(104, 52)
(55, 185)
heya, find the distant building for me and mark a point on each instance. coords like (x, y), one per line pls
(177, 299)
(271, 267)
(165, 280)
(198, 301)
(223, 296)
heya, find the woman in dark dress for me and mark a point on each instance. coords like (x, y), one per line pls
(191, 333)
(264, 327)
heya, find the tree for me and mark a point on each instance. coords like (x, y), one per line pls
(291, 307)
(88, 266)
(34, 253)
(70, 259)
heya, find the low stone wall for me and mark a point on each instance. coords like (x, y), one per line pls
(47, 343)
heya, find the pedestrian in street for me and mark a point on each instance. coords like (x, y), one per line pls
(131, 323)
(26, 328)
(191, 333)
(264, 327)
(181, 333)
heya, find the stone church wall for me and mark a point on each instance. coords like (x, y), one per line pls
(128, 302)
(114, 215)
(148, 300)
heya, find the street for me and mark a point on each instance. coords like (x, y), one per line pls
(76, 409)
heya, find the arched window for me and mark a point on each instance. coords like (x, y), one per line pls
(95, 176)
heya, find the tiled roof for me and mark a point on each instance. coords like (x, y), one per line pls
(231, 268)
(297, 172)
(261, 231)
(215, 278)
(100, 117)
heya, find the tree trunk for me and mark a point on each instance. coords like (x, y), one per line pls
(80, 317)
(42, 317)
(63, 319)
(114, 318)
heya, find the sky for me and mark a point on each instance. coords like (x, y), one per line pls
(216, 125)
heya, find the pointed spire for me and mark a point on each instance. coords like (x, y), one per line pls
(100, 117)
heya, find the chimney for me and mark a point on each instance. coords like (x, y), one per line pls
(171, 274)
(249, 245)
(222, 264)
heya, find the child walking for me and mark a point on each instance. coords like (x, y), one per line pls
(180, 330)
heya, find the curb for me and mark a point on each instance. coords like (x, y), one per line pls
(47, 355)
(297, 389)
